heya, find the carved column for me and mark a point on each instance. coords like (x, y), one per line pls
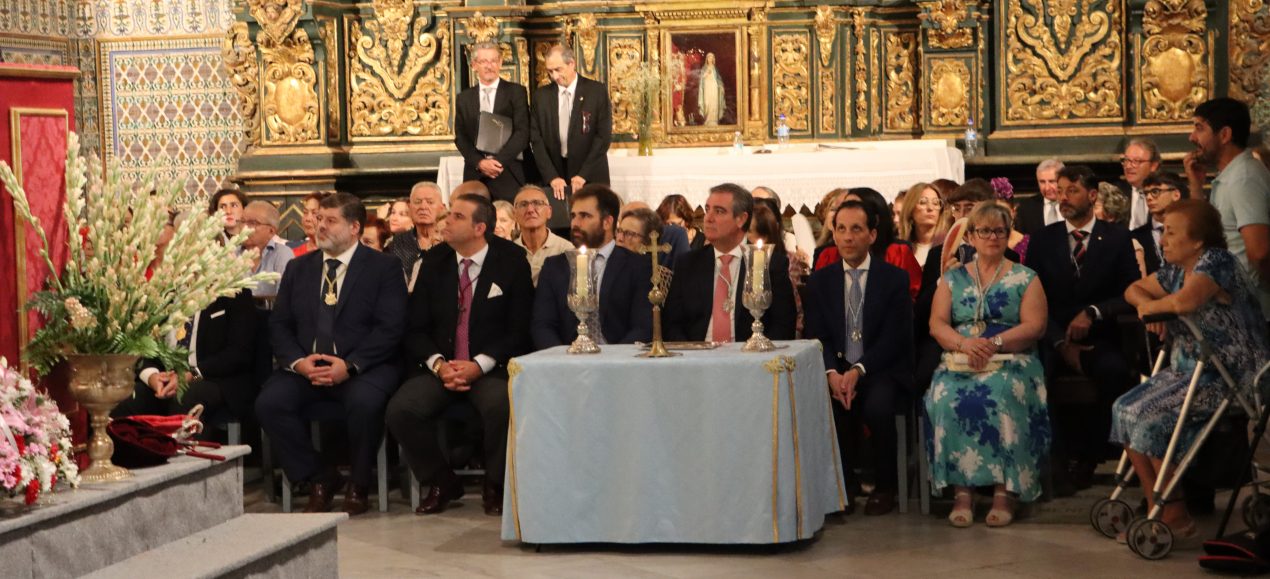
(953, 62)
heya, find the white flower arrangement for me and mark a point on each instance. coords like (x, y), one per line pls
(35, 440)
(104, 302)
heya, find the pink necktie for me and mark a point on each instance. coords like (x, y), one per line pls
(722, 325)
(465, 310)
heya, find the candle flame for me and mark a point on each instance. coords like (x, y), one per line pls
(760, 244)
(582, 250)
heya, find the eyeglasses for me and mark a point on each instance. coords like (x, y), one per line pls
(963, 208)
(628, 234)
(535, 203)
(1157, 191)
(991, 233)
(1131, 162)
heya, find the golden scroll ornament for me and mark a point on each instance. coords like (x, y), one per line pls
(239, 57)
(945, 17)
(1070, 71)
(791, 78)
(624, 56)
(404, 96)
(901, 83)
(291, 108)
(276, 17)
(1174, 59)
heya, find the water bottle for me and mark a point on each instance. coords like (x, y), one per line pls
(972, 139)
(738, 144)
(782, 133)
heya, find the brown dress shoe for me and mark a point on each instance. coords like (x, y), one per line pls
(492, 498)
(448, 489)
(321, 497)
(880, 503)
(355, 502)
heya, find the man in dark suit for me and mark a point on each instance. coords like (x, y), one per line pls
(469, 315)
(1038, 211)
(571, 128)
(221, 341)
(625, 314)
(500, 170)
(336, 330)
(705, 297)
(860, 311)
(1085, 265)
(1161, 190)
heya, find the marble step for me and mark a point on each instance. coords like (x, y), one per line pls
(74, 532)
(259, 545)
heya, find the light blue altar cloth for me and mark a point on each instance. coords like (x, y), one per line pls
(699, 448)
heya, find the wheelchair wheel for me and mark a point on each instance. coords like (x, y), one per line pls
(1150, 539)
(1111, 517)
(1256, 509)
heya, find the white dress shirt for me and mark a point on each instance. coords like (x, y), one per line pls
(1051, 213)
(485, 361)
(487, 107)
(572, 92)
(1139, 214)
(734, 271)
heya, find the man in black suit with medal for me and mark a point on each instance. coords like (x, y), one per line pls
(336, 330)
(469, 315)
(860, 311)
(491, 126)
(570, 129)
(1085, 266)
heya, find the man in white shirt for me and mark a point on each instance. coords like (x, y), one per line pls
(1141, 158)
(500, 170)
(533, 211)
(262, 218)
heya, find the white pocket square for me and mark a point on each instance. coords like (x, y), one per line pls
(217, 315)
(494, 291)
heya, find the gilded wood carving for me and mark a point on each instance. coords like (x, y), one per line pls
(276, 17)
(291, 110)
(945, 18)
(401, 96)
(1249, 45)
(330, 43)
(588, 35)
(826, 26)
(756, 33)
(861, 71)
(541, 48)
(791, 78)
(624, 56)
(901, 89)
(239, 56)
(874, 105)
(522, 63)
(950, 84)
(1174, 59)
(481, 28)
(1070, 69)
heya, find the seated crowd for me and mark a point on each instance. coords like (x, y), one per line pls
(953, 299)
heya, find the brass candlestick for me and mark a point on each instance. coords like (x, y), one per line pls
(657, 296)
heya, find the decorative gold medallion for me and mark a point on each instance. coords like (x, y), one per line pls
(856, 336)
(331, 298)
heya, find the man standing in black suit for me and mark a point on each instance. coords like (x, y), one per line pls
(860, 311)
(499, 170)
(336, 330)
(1161, 190)
(625, 314)
(1085, 265)
(704, 301)
(469, 315)
(1039, 211)
(571, 128)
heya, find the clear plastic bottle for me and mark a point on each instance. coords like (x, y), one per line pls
(971, 146)
(738, 144)
(782, 133)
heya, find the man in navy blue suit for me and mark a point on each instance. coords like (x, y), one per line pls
(336, 330)
(1085, 265)
(860, 311)
(625, 314)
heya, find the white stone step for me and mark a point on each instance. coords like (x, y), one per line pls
(259, 545)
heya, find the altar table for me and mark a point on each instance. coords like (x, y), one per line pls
(801, 173)
(717, 446)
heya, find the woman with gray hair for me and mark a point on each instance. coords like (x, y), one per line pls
(1113, 206)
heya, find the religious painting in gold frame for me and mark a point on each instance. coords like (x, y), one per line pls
(704, 85)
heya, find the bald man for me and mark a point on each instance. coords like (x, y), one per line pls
(262, 218)
(471, 187)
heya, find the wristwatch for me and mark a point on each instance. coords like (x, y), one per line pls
(998, 342)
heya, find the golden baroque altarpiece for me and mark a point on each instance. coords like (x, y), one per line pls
(333, 90)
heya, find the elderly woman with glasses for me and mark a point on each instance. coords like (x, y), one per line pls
(635, 226)
(987, 419)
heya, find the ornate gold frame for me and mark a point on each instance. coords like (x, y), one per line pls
(19, 227)
(720, 132)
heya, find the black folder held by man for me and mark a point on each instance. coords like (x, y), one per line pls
(494, 132)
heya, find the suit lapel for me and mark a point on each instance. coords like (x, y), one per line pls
(356, 265)
(838, 303)
(553, 113)
(867, 319)
(483, 283)
(611, 271)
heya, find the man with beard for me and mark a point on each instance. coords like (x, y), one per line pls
(469, 315)
(623, 280)
(1085, 266)
(336, 331)
(1241, 190)
(705, 298)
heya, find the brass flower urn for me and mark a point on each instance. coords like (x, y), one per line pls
(99, 383)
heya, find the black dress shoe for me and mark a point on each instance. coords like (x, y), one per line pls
(448, 489)
(321, 497)
(880, 503)
(355, 502)
(492, 498)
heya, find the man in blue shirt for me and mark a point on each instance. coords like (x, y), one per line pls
(262, 217)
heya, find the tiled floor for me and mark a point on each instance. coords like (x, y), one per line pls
(463, 542)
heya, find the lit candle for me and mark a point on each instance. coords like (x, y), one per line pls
(760, 265)
(584, 273)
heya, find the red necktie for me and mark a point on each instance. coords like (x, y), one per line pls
(465, 311)
(721, 330)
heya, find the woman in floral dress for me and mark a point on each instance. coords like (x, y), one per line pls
(986, 419)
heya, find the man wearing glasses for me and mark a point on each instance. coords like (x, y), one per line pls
(489, 107)
(1162, 189)
(1141, 158)
(533, 212)
(622, 278)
